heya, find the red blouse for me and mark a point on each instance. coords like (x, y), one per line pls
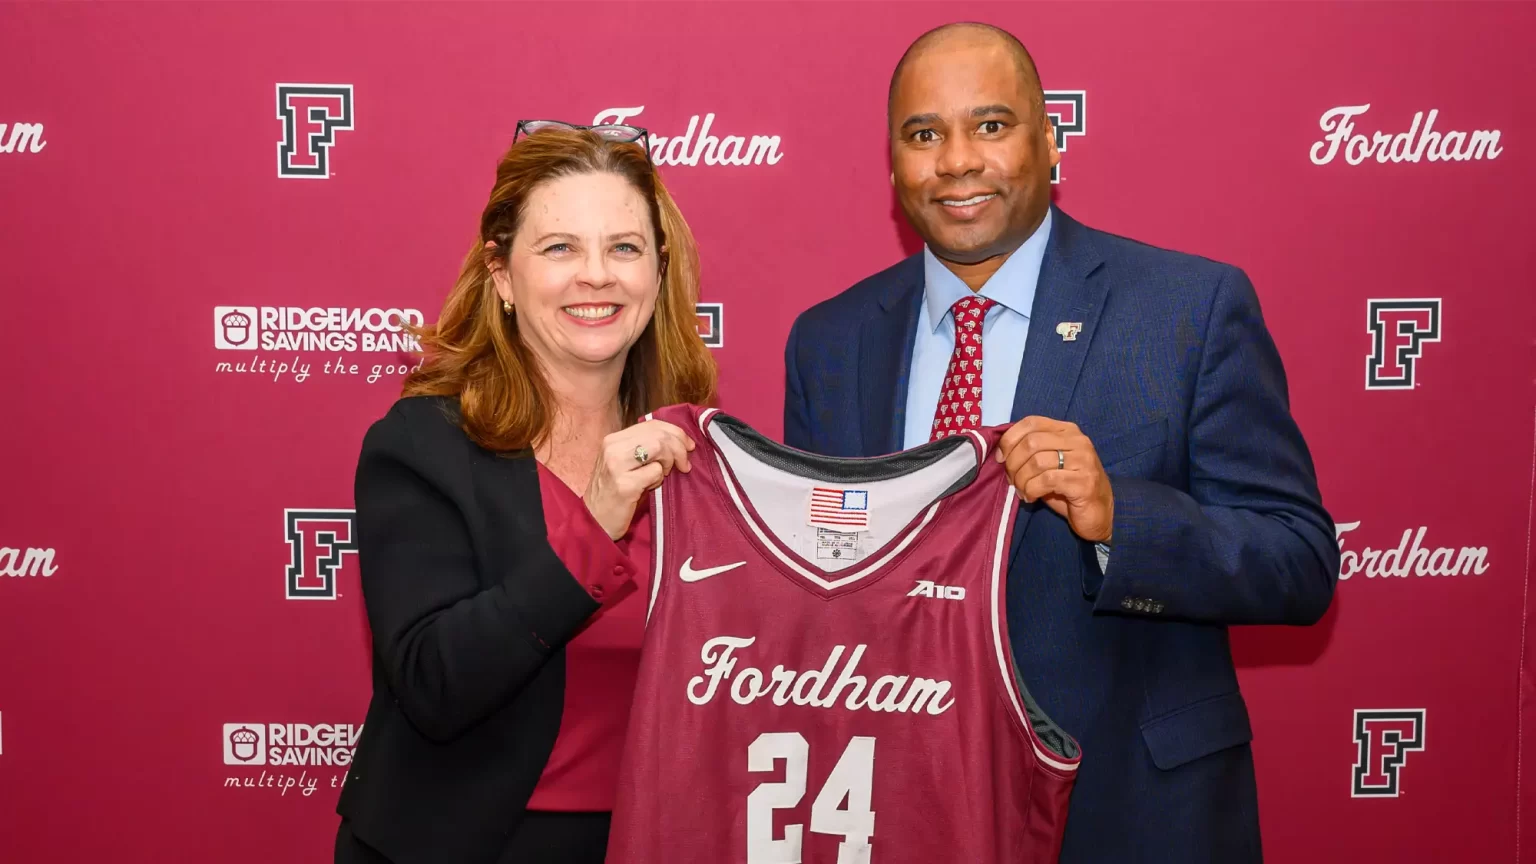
(603, 658)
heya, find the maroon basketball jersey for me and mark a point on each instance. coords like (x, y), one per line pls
(826, 675)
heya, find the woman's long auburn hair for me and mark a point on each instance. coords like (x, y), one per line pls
(474, 351)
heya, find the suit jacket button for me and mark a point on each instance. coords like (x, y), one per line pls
(1126, 603)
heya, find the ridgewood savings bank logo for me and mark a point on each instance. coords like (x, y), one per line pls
(293, 336)
(268, 746)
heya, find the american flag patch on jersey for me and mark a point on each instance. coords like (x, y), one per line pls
(844, 509)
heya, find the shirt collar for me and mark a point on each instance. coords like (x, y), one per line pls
(1012, 286)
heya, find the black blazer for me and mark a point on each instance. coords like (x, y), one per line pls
(469, 609)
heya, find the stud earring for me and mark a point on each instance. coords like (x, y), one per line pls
(506, 307)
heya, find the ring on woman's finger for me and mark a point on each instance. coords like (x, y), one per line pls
(641, 455)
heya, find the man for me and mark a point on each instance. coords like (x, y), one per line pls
(1166, 491)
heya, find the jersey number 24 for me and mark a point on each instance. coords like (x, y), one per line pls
(852, 778)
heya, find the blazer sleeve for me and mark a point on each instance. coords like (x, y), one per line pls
(452, 651)
(1250, 542)
(797, 419)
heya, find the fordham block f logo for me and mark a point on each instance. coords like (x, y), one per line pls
(316, 541)
(711, 323)
(1383, 738)
(1399, 329)
(312, 114)
(1066, 108)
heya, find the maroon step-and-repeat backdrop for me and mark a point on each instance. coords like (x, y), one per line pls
(211, 215)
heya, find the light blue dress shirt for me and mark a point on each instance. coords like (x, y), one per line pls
(1003, 333)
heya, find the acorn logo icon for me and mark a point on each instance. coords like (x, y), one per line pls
(234, 327)
(245, 744)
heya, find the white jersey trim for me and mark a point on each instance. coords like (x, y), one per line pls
(981, 441)
(656, 513)
(1004, 667)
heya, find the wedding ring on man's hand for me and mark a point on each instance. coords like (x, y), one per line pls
(641, 455)
(1061, 460)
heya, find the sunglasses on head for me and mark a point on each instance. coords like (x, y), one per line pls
(617, 133)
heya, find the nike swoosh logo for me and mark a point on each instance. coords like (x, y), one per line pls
(688, 574)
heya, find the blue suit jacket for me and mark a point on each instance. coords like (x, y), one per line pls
(1218, 520)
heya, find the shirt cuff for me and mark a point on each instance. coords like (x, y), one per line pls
(582, 545)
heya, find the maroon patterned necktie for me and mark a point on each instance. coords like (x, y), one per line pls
(960, 397)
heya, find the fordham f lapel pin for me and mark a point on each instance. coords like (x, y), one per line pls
(1069, 330)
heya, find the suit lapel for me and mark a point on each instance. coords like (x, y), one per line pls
(1069, 291)
(885, 355)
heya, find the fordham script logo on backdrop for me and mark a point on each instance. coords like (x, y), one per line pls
(300, 339)
(1410, 557)
(263, 747)
(1412, 146)
(1399, 329)
(29, 561)
(317, 540)
(312, 114)
(1068, 112)
(707, 149)
(24, 138)
(1383, 739)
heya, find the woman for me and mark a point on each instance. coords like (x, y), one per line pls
(505, 643)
